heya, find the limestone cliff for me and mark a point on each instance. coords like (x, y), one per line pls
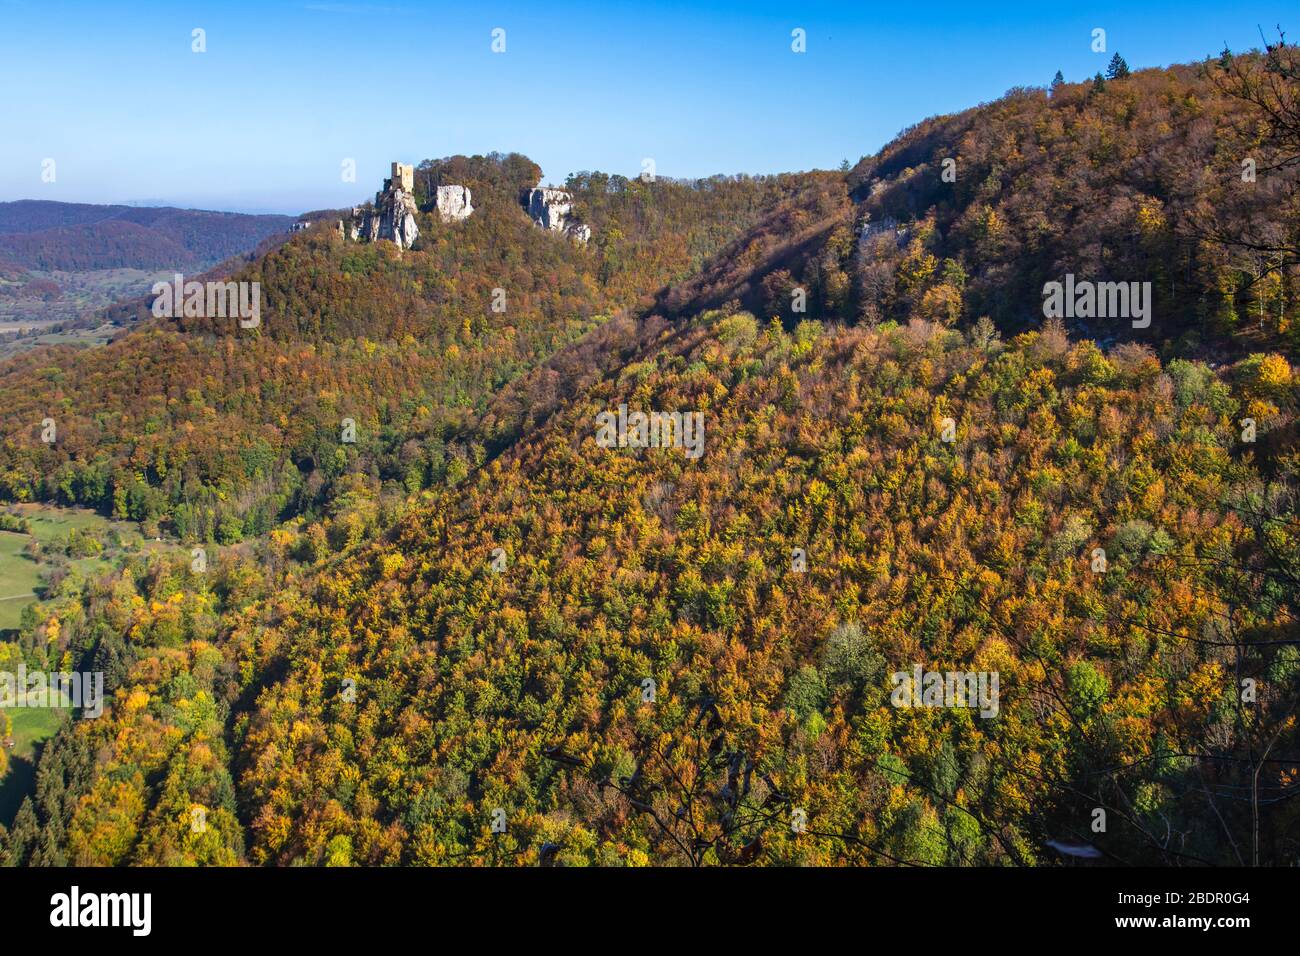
(552, 209)
(392, 215)
(453, 203)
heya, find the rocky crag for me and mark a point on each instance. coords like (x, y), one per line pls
(552, 209)
(453, 203)
(392, 215)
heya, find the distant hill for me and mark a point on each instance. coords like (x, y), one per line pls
(48, 236)
(60, 263)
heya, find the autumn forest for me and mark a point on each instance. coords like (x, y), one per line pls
(952, 582)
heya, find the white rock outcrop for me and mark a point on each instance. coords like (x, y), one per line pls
(552, 209)
(392, 218)
(392, 215)
(454, 203)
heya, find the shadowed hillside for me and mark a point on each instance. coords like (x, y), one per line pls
(1136, 179)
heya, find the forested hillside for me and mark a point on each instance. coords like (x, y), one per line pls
(521, 688)
(481, 635)
(216, 432)
(1139, 178)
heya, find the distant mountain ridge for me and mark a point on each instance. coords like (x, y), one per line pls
(46, 235)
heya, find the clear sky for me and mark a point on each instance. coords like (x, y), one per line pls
(112, 92)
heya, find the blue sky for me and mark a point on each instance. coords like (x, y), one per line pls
(287, 90)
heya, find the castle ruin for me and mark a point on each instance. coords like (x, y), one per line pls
(392, 215)
(403, 177)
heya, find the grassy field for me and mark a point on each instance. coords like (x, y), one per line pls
(20, 585)
(51, 524)
(30, 727)
(97, 335)
(20, 580)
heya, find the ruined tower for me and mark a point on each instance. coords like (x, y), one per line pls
(403, 177)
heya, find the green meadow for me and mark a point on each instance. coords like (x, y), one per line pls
(22, 581)
(21, 575)
(29, 727)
